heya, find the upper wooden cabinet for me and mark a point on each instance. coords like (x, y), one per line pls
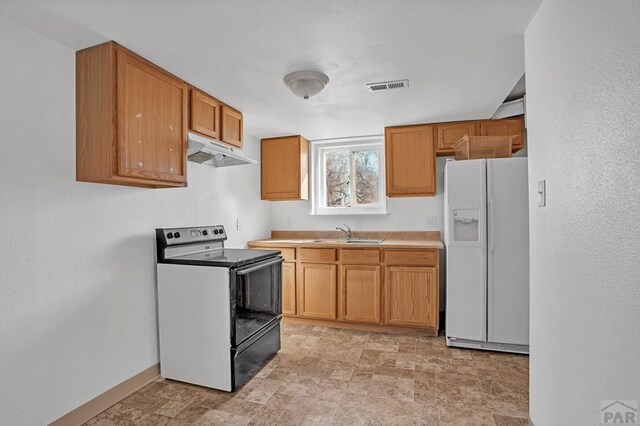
(285, 168)
(231, 131)
(448, 134)
(214, 119)
(205, 114)
(131, 120)
(505, 127)
(410, 161)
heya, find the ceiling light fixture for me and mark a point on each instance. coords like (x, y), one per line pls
(306, 84)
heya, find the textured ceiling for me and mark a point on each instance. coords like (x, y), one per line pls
(462, 57)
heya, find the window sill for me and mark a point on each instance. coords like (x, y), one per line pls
(349, 213)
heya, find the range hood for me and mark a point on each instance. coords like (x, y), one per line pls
(510, 109)
(205, 151)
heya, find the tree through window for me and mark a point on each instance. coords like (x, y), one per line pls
(349, 177)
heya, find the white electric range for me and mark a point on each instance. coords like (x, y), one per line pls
(219, 309)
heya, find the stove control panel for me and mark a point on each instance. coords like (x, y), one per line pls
(177, 236)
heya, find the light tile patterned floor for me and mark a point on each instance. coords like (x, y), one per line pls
(326, 376)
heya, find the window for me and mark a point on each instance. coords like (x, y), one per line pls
(348, 176)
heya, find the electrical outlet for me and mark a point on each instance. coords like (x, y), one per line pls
(289, 222)
(237, 224)
(431, 222)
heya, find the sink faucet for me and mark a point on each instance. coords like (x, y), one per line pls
(346, 231)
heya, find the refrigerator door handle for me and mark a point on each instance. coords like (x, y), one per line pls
(490, 212)
(490, 225)
(490, 252)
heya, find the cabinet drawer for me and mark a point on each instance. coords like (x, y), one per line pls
(411, 258)
(288, 253)
(317, 255)
(355, 256)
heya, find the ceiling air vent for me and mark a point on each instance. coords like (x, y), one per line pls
(387, 85)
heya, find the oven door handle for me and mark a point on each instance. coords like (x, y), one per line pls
(258, 266)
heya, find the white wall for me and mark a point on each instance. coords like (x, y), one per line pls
(77, 283)
(405, 214)
(583, 100)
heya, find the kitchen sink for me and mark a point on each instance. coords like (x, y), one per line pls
(344, 240)
(359, 241)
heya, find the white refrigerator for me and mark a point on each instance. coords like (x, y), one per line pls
(487, 239)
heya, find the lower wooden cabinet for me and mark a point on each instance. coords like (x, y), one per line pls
(411, 296)
(289, 288)
(317, 290)
(363, 287)
(359, 295)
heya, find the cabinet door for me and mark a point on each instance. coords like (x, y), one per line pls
(505, 127)
(410, 161)
(289, 288)
(448, 134)
(152, 121)
(205, 114)
(231, 126)
(411, 296)
(360, 293)
(317, 291)
(285, 165)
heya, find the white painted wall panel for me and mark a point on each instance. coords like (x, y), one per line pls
(583, 104)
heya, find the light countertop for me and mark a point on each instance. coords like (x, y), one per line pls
(398, 239)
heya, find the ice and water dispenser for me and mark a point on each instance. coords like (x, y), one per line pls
(466, 225)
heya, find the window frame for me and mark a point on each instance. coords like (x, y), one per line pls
(318, 187)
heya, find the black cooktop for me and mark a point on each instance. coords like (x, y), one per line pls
(228, 258)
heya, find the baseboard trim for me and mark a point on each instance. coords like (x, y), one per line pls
(392, 329)
(103, 401)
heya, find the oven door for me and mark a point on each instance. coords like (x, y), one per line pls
(256, 301)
